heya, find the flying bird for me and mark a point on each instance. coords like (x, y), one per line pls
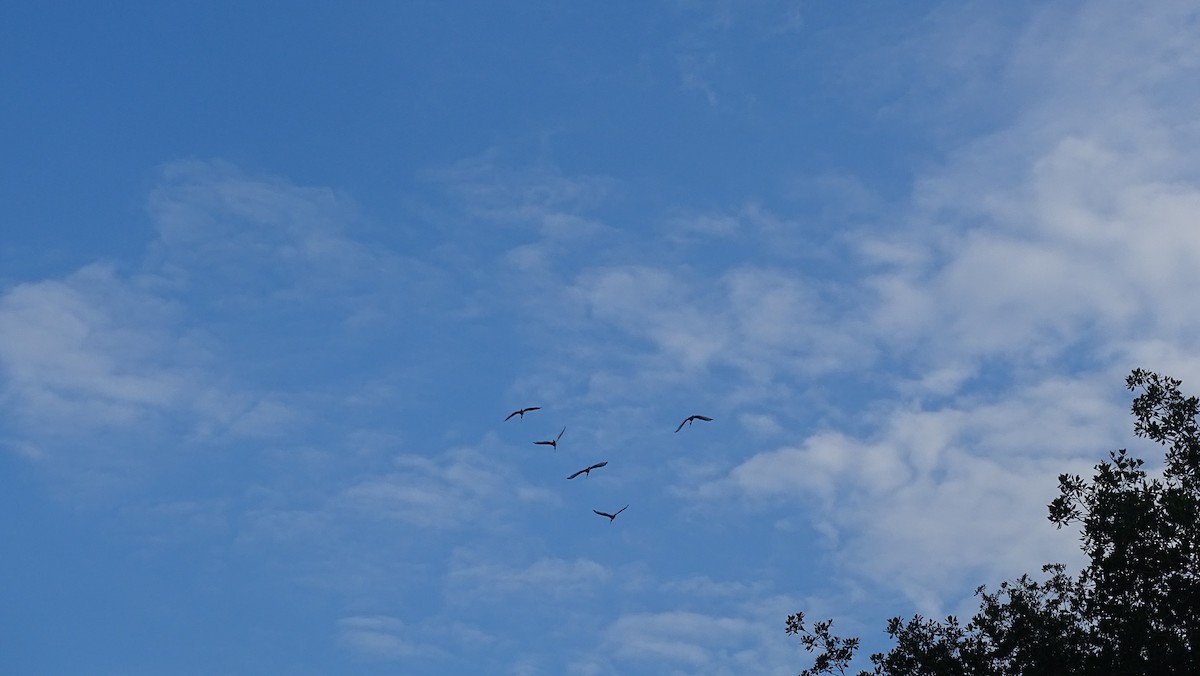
(523, 411)
(588, 470)
(553, 442)
(688, 420)
(611, 516)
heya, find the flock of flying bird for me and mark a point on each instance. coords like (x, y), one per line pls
(587, 471)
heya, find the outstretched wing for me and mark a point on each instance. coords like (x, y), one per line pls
(577, 473)
(560, 434)
(611, 516)
(691, 418)
(545, 443)
(598, 465)
(621, 510)
(522, 411)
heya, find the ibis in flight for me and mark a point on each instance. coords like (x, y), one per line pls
(553, 442)
(523, 411)
(688, 420)
(611, 516)
(588, 470)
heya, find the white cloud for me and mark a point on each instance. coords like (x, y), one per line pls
(168, 357)
(460, 486)
(211, 215)
(266, 417)
(940, 499)
(655, 304)
(701, 586)
(683, 226)
(379, 636)
(430, 646)
(1040, 263)
(759, 424)
(1071, 225)
(677, 641)
(1066, 270)
(550, 576)
(765, 322)
(241, 248)
(97, 369)
(540, 197)
(90, 341)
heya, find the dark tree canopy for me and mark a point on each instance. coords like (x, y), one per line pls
(1135, 608)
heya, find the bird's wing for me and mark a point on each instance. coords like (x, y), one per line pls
(560, 434)
(533, 408)
(512, 414)
(577, 474)
(603, 514)
(703, 417)
(544, 443)
(622, 509)
(682, 424)
(599, 465)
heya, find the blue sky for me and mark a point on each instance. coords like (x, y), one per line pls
(272, 276)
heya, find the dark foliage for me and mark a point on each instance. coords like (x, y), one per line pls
(835, 653)
(1135, 608)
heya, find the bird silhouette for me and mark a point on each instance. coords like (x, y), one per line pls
(553, 442)
(588, 470)
(611, 516)
(688, 420)
(523, 411)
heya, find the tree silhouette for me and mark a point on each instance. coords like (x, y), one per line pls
(1134, 609)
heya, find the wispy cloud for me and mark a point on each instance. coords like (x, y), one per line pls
(213, 219)
(761, 320)
(97, 367)
(678, 642)
(702, 57)
(179, 352)
(92, 346)
(461, 486)
(104, 367)
(964, 485)
(538, 197)
(1071, 222)
(380, 636)
(551, 576)
(230, 242)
